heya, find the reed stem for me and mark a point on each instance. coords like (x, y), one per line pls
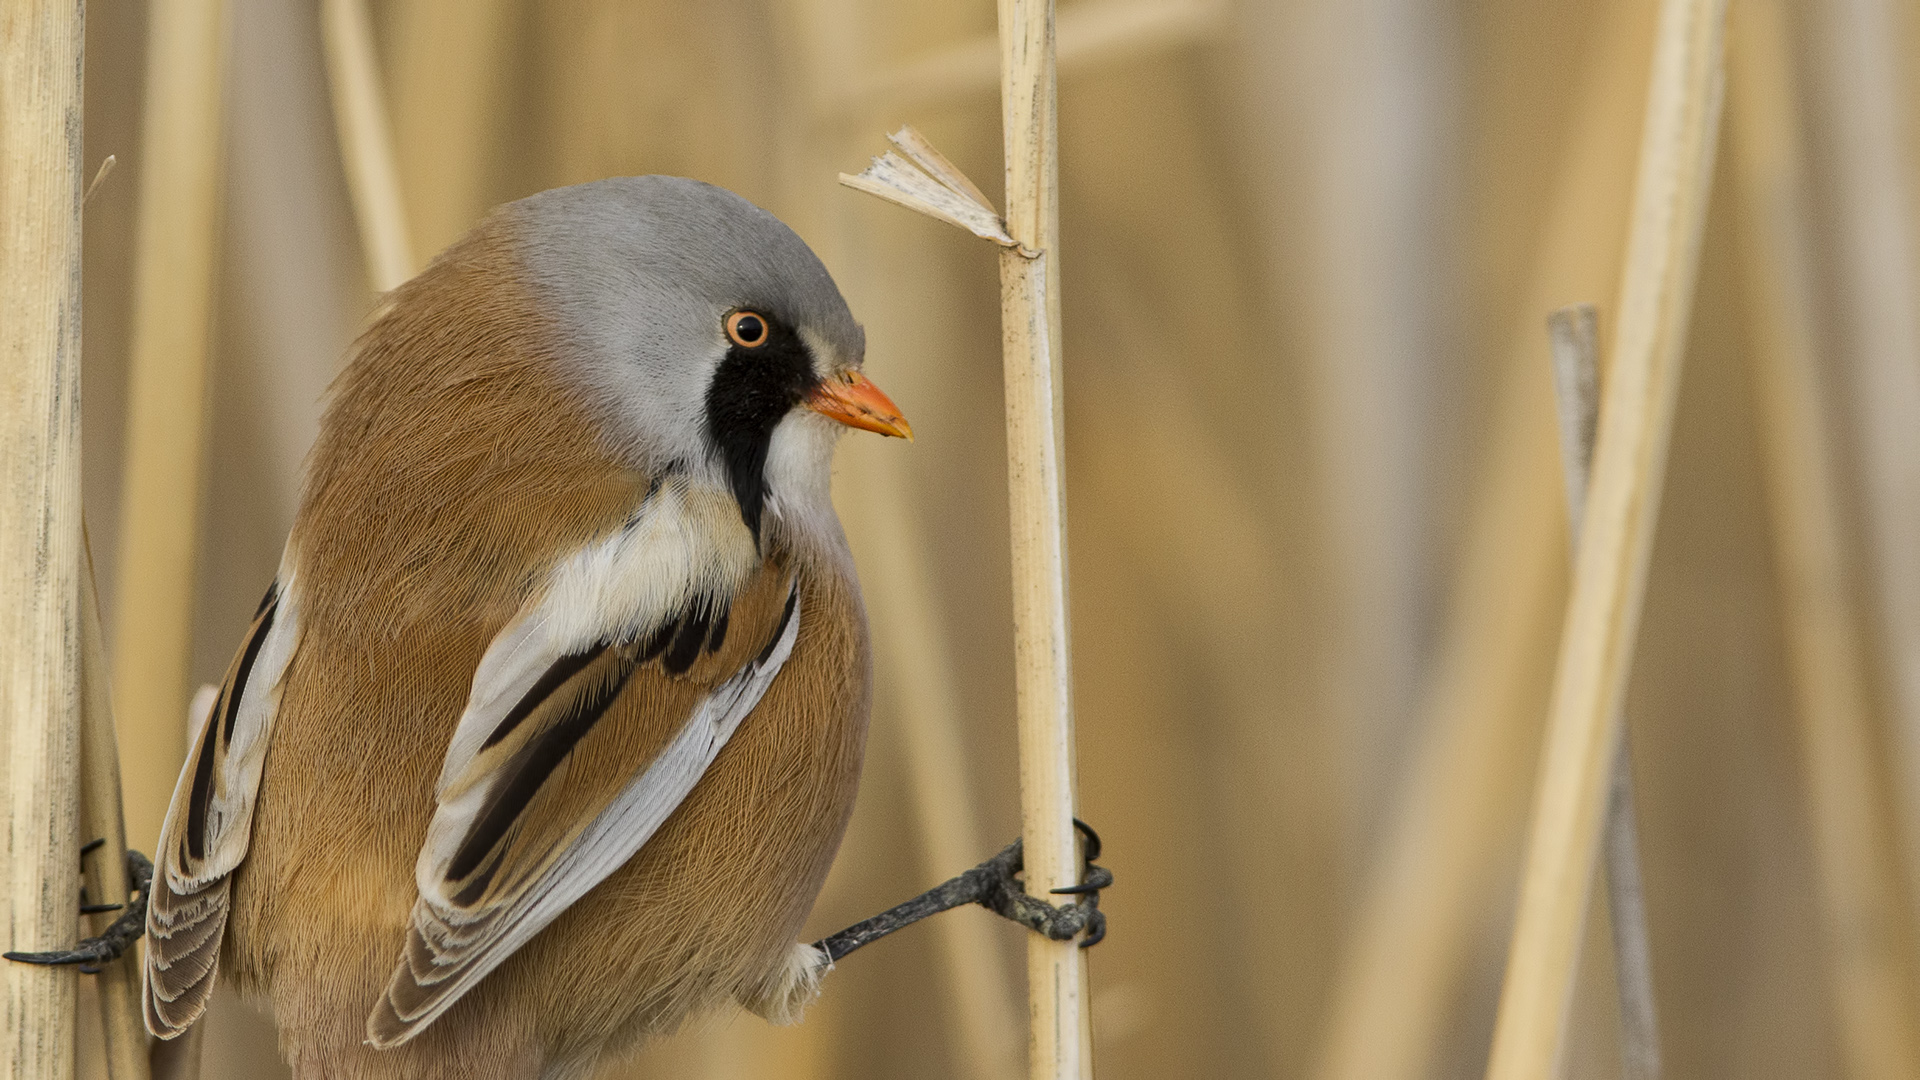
(1663, 250)
(1059, 1035)
(41, 54)
(102, 818)
(1452, 844)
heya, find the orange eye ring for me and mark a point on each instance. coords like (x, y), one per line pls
(748, 329)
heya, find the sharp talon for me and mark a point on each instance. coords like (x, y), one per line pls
(1097, 931)
(1098, 877)
(92, 846)
(95, 953)
(1093, 839)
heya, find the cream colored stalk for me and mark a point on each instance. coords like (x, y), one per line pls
(40, 541)
(1059, 1039)
(101, 818)
(1610, 573)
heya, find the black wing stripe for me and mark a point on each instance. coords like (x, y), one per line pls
(199, 800)
(659, 639)
(263, 623)
(555, 677)
(227, 706)
(688, 641)
(531, 765)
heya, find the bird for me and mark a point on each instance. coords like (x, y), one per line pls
(545, 734)
(549, 727)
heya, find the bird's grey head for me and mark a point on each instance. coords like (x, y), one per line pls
(701, 326)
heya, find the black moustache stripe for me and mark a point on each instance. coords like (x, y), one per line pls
(752, 391)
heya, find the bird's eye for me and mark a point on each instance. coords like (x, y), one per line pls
(746, 329)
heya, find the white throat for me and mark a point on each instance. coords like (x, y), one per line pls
(799, 474)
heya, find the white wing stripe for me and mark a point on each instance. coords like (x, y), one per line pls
(229, 820)
(613, 837)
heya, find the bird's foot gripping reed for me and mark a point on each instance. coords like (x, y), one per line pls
(94, 952)
(994, 885)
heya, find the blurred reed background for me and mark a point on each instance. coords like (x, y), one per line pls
(1317, 527)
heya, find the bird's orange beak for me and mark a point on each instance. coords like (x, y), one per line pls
(853, 400)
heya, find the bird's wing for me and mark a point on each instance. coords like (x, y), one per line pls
(210, 819)
(568, 758)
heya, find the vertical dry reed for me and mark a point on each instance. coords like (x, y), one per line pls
(1862, 75)
(102, 818)
(1451, 843)
(1575, 331)
(40, 539)
(1656, 293)
(1060, 1034)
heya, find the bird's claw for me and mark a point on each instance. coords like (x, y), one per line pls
(96, 952)
(994, 885)
(1004, 895)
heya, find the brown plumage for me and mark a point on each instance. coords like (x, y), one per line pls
(462, 459)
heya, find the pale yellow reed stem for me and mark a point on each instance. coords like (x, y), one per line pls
(1451, 842)
(366, 143)
(1656, 293)
(179, 168)
(1060, 1036)
(1059, 1039)
(1868, 951)
(40, 540)
(101, 818)
(448, 74)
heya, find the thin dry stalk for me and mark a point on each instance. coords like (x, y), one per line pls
(101, 818)
(166, 398)
(1656, 294)
(1855, 851)
(1060, 1031)
(366, 143)
(40, 542)
(1575, 332)
(1451, 843)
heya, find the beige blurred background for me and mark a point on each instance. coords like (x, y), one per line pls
(1316, 521)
